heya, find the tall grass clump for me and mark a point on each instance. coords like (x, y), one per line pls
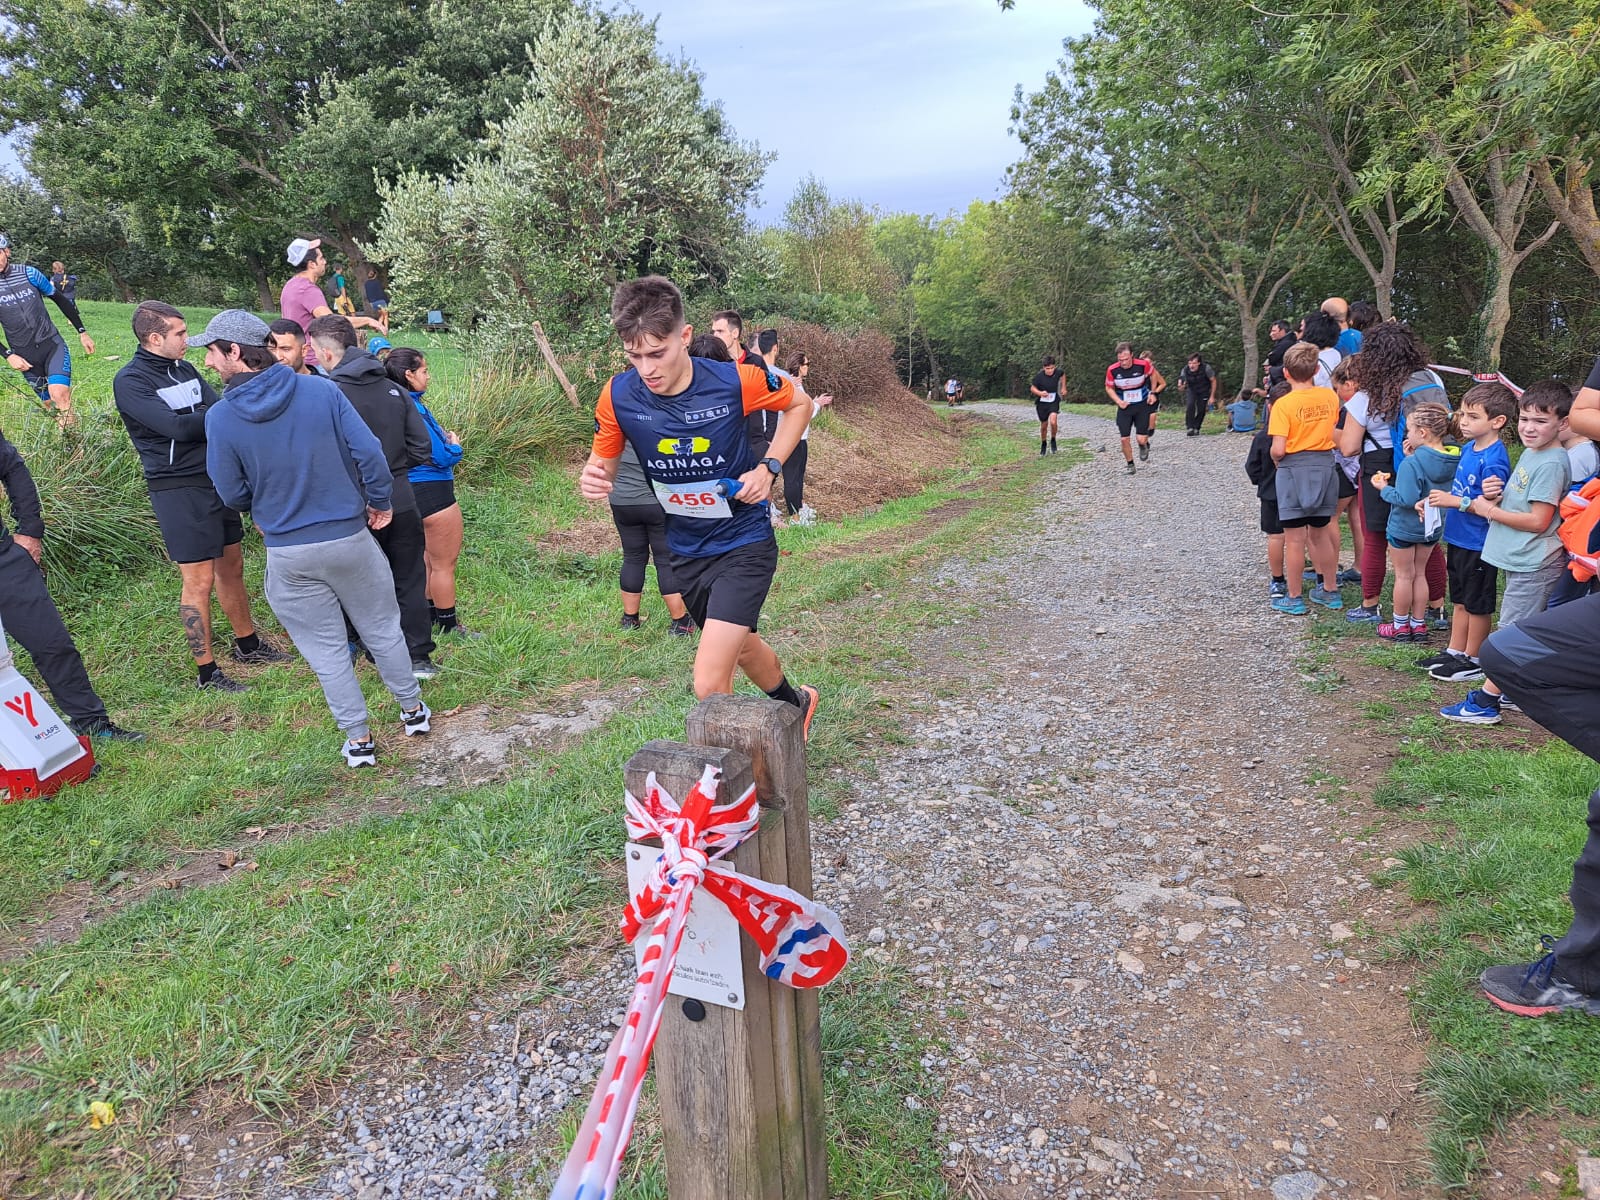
(508, 411)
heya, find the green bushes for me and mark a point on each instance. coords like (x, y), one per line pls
(508, 412)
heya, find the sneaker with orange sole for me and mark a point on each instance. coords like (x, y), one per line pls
(813, 697)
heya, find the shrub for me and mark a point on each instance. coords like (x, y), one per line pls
(508, 410)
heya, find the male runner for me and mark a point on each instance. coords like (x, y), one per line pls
(1128, 383)
(1158, 387)
(1199, 382)
(684, 418)
(163, 403)
(1049, 386)
(32, 344)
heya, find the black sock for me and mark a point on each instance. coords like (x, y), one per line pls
(247, 645)
(445, 618)
(433, 613)
(785, 692)
(207, 670)
(1279, 579)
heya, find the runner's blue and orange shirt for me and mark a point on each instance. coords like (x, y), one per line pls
(689, 441)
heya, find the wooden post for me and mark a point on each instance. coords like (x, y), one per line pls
(550, 359)
(772, 734)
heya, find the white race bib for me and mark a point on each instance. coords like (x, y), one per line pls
(699, 500)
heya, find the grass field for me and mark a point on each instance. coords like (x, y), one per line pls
(351, 927)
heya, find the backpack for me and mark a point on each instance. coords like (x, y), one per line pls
(1397, 429)
(1580, 530)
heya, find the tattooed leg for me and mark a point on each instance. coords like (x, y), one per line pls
(194, 609)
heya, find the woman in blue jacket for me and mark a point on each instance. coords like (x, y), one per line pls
(435, 488)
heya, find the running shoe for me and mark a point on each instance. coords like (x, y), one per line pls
(1437, 619)
(1395, 631)
(265, 652)
(1350, 575)
(682, 626)
(1507, 704)
(416, 720)
(1191, 433)
(1042, 450)
(1294, 606)
(361, 754)
(812, 697)
(1278, 587)
(806, 516)
(1363, 612)
(1144, 452)
(1535, 989)
(108, 730)
(1442, 659)
(1130, 469)
(1460, 669)
(221, 683)
(1326, 598)
(629, 621)
(1474, 710)
(423, 669)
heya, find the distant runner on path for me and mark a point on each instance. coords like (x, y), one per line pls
(1128, 382)
(1199, 383)
(1049, 385)
(32, 344)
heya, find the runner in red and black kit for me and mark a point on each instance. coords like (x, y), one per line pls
(1129, 381)
(685, 419)
(1047, 388)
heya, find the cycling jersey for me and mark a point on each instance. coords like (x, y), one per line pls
(23, 319)
(689, 441)
(1132, 382)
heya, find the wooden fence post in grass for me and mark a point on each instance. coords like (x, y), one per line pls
(550, 360)
(740, 1090)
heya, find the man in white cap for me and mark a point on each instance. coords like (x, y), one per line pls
(294, 453)
(302, 301)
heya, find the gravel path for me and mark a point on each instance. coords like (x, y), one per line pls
(1130, 908)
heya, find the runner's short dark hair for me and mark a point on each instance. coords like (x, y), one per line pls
(1363, 315)
(1049, 360)
(286, 325)
(151, 318)
(1547, 395)
(766, 341)
(732, 317)
(648, 307)
(1496, 400)
(333, 328)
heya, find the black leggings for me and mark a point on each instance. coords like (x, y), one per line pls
(1194, 410)
(794, 479)
(643, 529)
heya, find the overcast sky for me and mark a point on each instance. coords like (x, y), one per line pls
(903, 104)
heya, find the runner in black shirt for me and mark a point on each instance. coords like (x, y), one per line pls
(1047, 389)
(1199, 383)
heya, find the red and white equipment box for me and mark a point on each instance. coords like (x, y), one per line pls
(39, 754)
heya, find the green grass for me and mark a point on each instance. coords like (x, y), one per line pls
(361, 929)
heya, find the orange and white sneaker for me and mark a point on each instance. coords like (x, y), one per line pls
(812, 698)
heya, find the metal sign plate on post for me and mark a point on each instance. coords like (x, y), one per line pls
(710, 964)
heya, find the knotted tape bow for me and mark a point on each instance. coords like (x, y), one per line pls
(801, 942)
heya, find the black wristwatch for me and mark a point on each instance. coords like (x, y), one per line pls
(772, 465)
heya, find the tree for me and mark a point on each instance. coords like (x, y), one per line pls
(613, 165)
(826, 248)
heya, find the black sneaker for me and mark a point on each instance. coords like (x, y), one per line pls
(265, 652)
(682, 626)
(1459, 670)
(1442, 659)
(361, 754)
(457, 630)
(108, 730)
(1144, 452)
(423, 669)
(417, 719)
(1535, 990)
(221, 683)
(629, 621)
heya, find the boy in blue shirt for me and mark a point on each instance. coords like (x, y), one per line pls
(1242, 414)
(1485, 411)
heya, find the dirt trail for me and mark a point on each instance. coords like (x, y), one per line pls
(1116, 862)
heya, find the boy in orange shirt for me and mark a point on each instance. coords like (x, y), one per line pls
(1301, 429)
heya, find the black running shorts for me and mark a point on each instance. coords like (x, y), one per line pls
(1134, 419)
(195, 523)
(1046, 409)
(1473, 582)
(1270, 524)
(731, 586)
(434, 496)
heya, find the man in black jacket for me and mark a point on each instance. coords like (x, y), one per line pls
(163, 402)
(31, 617)
(399, 427)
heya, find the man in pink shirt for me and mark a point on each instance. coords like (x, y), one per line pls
(302, 300)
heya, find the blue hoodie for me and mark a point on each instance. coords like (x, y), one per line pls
(1420, 474)
(294, 453)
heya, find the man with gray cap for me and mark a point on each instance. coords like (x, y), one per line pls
(289, 449)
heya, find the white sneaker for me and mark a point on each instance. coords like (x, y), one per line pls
(361, 754)
(416, 721)
(806, 516)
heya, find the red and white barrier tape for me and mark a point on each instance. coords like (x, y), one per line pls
(1480, 376)
(802, 944)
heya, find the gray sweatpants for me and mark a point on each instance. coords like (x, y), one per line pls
(307, 585)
